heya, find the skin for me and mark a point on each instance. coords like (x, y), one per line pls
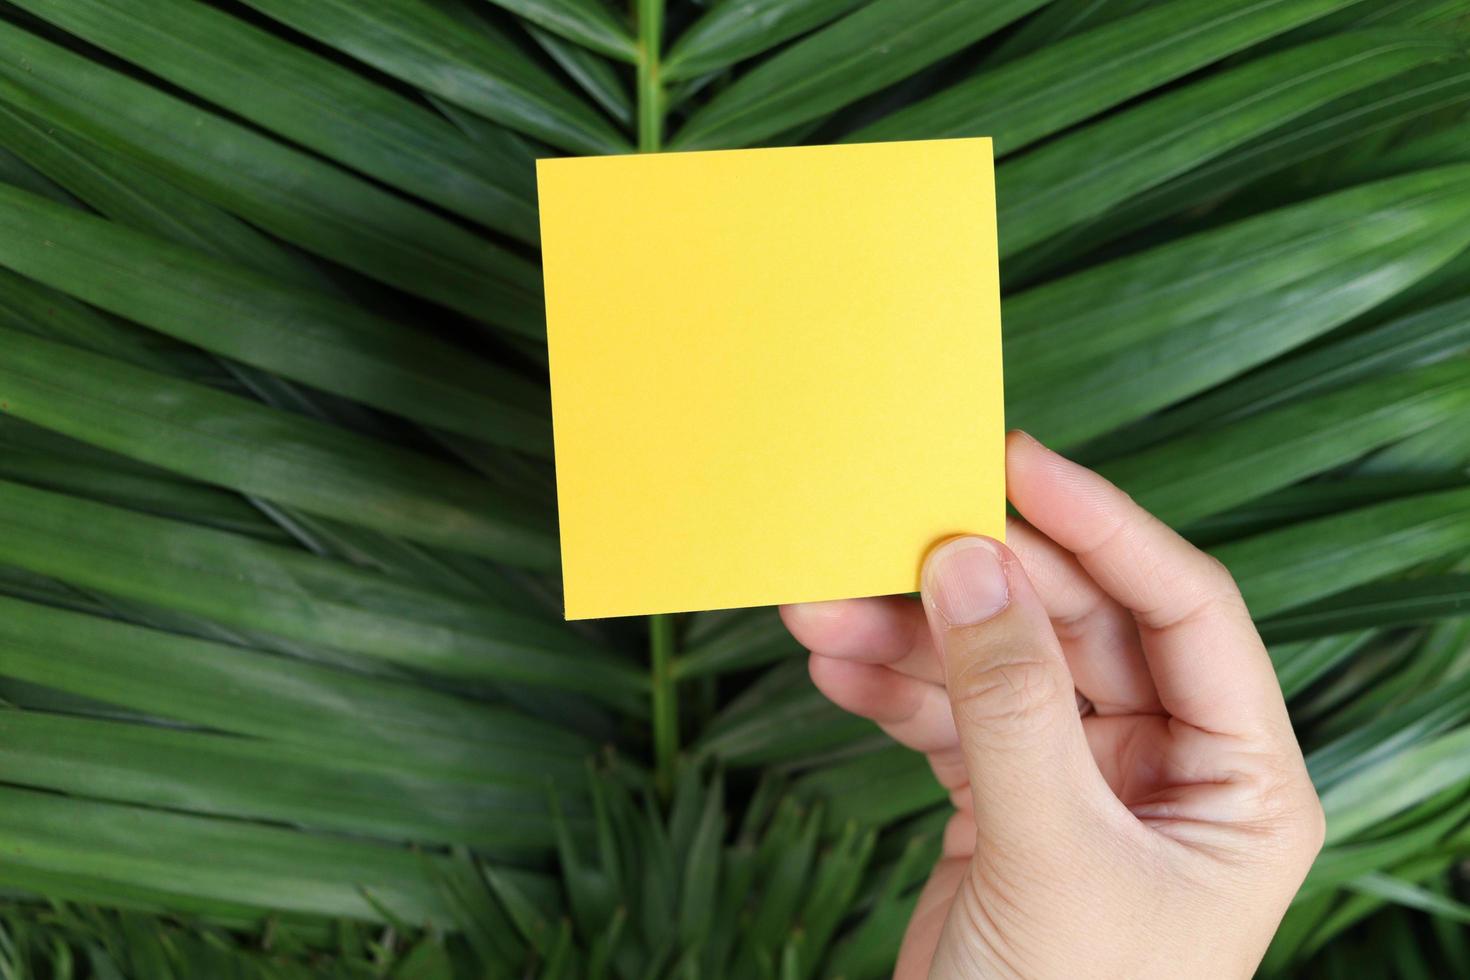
(1130, 799)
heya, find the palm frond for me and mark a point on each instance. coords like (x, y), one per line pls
(284, 686)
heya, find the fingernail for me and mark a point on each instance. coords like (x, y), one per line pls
(1025, 436)
(965, 581)
(822, 612)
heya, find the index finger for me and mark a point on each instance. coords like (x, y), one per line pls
(1208, 663)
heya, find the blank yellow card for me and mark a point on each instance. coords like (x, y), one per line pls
(776, 374)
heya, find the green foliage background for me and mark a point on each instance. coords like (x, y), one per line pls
(286, 688)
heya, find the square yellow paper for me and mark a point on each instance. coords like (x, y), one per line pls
(776, 374)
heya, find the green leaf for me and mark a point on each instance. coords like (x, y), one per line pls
(1299, 664)
(1444, 447)
(1417, 600)
(845, 788)
(27, 305)
(260, 586)
(162, 495)
(758, 638)
(595, 74)
(1316, 498)
(587, 22)
(867, 950)
(1396, 102)
(1064, 83)
(701, 878)
(1422, 338)
(523, 910)
(783, 883)
(120, 189)
(304, 97)
(1426, 827)
(443, 48)
(269, 868)
(1390, 730)
(1393, 889)
(307, 337)
(14, 170)
(1400, 13)
(373, 654)
(261, 780)
(214, 437)
(779, 717)
(838, 874)
(1206, 472)
(1432, 150)
(1390, 696)
(1060, 20)
(1397, 946)
(284, 191)
(485, 926)
(1048, 190)
(733, 30)
(514, 154)
(1290, 567)
(429, 960)
(874, 46)
(1117, 341)
(605, 946)
(362, 723)
(442, 571)
(18, 435)
(1395, 784)
(133, 900)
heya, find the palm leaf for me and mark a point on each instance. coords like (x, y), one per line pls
(1112, 343)
(1281, 569)
(275, 868)
(732, 31)
(1046, 191)
(307, 99)
(1066, 82)
(321, 602)
(302, 336)
(282, 668)
(441, 48)
(837, 64)
(234, 442)
(1207, 472)
(285, 700)
(213, 774)
(289, 193)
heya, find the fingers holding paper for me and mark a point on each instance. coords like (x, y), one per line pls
(1195, 637)
(872, 656)
(875, 658)
(1146, 621)
(1186, 771)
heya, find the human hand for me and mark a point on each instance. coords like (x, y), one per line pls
(1158, 828)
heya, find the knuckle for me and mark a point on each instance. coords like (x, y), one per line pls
(1202, 572)
(1216, 576)
(1217, 568)
(1292, 812)
(1316, 825)
(1304, 832)
(1005, 694)
(1106, 535)
(1276, 794)
(1222, 602)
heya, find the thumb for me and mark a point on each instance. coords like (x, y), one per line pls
(1011, 692)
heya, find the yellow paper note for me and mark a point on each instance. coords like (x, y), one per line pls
(776, 374)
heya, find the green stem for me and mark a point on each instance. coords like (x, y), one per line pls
(650, 14)
(665, 705)
(650, 18)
